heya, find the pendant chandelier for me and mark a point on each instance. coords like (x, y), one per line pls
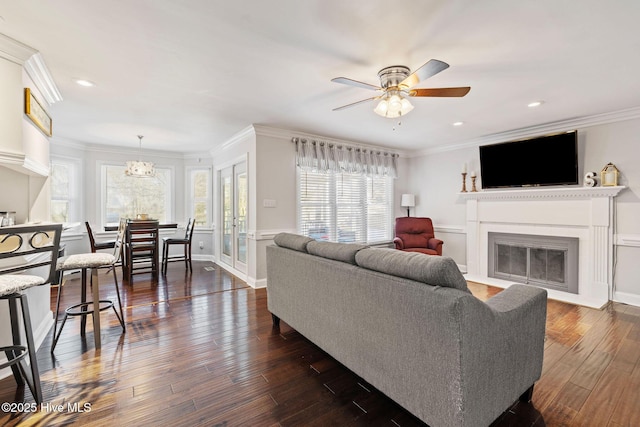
(138, 168)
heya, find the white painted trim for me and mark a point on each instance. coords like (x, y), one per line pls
(239, 274)
(626, 298)
(267, 234)
(544, 193)
(538, 130)
(39, 73)
(258, 284)
(15, 51)
(204, 257)
(21, 163)
(451, 229)
(551, 293)
(630, 240)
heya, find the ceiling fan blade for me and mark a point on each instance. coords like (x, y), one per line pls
(355, 103)
(429, 69)
(441, 92)
(351, 82)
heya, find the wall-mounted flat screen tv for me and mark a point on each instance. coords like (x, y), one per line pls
(546, 160)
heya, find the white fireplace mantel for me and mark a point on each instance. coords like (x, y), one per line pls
(585, 213)
(544, 193)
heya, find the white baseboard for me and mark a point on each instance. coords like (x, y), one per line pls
(204, 258)
(627, 298)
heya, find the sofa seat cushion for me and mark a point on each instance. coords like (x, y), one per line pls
(345, 252)
(292, 241)
(432, 270)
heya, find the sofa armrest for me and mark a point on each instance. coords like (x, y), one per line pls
(503, 346)
(516, 296)
(399, 243)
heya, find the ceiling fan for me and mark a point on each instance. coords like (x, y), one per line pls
(396, 85)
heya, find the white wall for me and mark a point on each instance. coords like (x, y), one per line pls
(272, 176)
(436, 179)
(91, 157)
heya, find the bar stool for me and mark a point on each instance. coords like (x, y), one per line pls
(95, 246)
(30, 247)
(93, 261)
(186, 242)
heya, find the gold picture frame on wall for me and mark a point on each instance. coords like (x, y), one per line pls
(36, 112)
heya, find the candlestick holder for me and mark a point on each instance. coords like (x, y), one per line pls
(464, 182)
(473, 184)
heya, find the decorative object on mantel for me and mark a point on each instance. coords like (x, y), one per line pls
(473, 182)
(464, 178)
(590, 179)
(36, 112)
(609, 175)
(139, 168)
(408, 201)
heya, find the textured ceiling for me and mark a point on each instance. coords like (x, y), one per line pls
(190, 74)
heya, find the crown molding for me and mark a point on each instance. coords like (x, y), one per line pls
(14, 51)
(533, 131)
(110, 149)
(23, 164)
(39, 73)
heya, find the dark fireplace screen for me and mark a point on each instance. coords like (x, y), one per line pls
(546, 261)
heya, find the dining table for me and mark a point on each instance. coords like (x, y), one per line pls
(160, 226)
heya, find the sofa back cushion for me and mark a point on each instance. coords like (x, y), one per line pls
(292, 241)
(345, 252)
(429, 269)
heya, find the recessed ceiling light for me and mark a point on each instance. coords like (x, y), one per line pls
(85, 83)
(534, 104)
(458, 123)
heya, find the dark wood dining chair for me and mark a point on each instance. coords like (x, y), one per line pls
(141, 248)
(185, 256)
(107, 244)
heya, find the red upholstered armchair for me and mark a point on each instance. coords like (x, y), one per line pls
(416, 235)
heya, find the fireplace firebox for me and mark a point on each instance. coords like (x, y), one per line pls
(546, 261)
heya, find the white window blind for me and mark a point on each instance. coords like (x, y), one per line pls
(343, 207)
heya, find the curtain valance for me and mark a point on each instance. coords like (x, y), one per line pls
(328, 157)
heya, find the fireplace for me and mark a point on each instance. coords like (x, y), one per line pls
(547, 261)
(579, 214)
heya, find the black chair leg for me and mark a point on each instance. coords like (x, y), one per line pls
(22, 373)
(121, 315)
(34, 381)
(15, 332)
(55, 321)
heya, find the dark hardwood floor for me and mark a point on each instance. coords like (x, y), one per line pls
(200, 350)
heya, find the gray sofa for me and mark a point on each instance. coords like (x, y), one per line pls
(407, 324)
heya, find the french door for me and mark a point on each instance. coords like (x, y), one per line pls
(233, 202)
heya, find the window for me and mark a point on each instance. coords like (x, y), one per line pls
(126, 196)
(199, 181)
(65, 189)
(343, 207)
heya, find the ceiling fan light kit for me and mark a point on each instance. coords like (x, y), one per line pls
(396, 83)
